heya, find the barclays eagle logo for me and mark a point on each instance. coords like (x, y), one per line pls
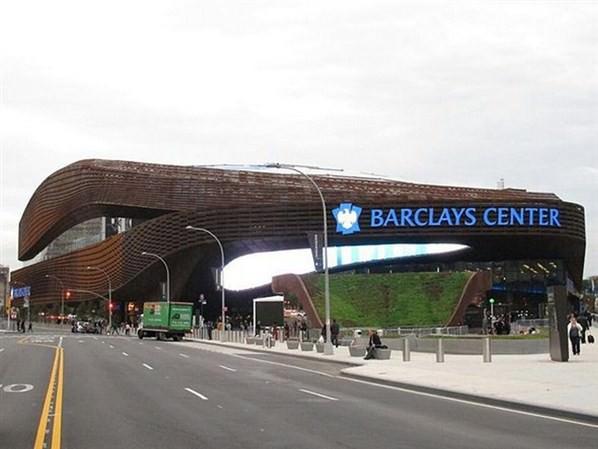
(347, 218)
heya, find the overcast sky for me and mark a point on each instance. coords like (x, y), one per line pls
(450, 93)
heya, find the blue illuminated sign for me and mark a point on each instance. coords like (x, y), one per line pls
(21, 292)
(423, 217)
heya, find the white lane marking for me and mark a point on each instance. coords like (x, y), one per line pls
(227, 368)
(103, 342)
(199, 395)
(219, 406)
(111, 347)
(157, 347)
(81, 341)
(18, 388)
(60, 342)
(95, 338)
(184, 355)
(147, 366)
(1, 349)
(320, 395)
(421, 393)
(125, 354)
(298, 368)
(465, 401)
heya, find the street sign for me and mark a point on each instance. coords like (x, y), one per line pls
(315, 240)
(21, 292)
(26, 302)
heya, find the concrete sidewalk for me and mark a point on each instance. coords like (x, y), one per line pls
(529, 380)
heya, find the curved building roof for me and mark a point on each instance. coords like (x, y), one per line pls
(254, 210)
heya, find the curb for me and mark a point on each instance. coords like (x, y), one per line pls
(266, 351)
(519, 406)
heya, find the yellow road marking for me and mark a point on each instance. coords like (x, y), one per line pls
(57, 428)
(43, 421)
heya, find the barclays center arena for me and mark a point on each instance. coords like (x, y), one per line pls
(89, 227)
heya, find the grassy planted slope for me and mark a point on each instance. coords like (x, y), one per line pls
(389, 300)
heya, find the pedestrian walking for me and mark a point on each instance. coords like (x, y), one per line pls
(583, 322)
(258, 328)
(303, 330)
(334, 331)
(574, 330)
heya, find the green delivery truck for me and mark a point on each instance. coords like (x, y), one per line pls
(166, 320)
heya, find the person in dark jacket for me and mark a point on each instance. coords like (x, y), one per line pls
(583, 321)
(304, 330)
(209, 328)
(334, 331)
(588, 316)
(258, 328)
(374, 343)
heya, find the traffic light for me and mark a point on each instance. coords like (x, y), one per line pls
(68, 294)
(110, 306)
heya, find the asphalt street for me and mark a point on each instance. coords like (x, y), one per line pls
(119, 392)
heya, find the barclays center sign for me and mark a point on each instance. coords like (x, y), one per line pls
(348, 217)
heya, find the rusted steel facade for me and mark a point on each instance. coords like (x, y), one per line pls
(250, 211)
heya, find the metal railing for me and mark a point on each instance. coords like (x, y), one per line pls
(410, 330)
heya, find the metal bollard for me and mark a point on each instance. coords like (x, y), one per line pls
(406, 350)
(440, 351)
(486, 350)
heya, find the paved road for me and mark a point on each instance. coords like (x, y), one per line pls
(125, 393)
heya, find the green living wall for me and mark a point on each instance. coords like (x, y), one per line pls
(389, 300)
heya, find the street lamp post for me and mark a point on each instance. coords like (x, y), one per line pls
(193, 228)
(109, 295)
(328, 350)
(145, 253)
(61, 295)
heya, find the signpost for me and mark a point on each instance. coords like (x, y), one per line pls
(23, 292)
